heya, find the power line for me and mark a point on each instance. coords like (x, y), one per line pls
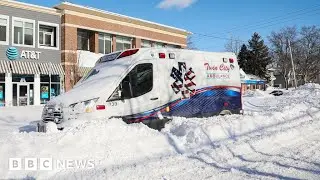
(267, 24)
(216, 37)
(277, 17)
(259, 27)
(258, 24)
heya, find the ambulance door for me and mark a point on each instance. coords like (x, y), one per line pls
(139, 90)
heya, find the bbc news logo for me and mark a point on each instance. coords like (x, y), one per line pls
(48, 164)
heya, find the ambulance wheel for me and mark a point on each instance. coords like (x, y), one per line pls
(225, 112)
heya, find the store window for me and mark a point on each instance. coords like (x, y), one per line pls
(105, 43)
(84, 40)
(22, 78)
(146, 44)
(48, 35)
(2, 90)
(23, 31)
(4, 29)
(123, 43)
(47, 93)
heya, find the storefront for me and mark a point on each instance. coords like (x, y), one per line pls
(29, 83)
(30, 54)
(251, 82)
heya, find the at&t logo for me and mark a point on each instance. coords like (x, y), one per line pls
(12, 53)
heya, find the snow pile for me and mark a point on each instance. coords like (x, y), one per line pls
(190, 134)
(87, 58)
(277, 138)
(256, 93)
(15, 119)
(309, 89)
(108, 143)
(308, 93)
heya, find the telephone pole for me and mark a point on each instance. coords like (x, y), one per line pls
(293, 69)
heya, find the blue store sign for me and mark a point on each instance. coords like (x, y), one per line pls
(254, 82)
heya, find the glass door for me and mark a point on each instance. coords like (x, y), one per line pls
(23, 95)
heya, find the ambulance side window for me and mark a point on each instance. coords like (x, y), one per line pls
(139, 81)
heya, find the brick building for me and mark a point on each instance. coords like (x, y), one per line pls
(88, 33)
(44, 51)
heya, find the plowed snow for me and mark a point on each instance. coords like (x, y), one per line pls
(278, 137)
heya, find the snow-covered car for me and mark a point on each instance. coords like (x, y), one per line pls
(151, 85)
(276, 93)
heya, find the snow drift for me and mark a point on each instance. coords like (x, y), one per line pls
(278, 137)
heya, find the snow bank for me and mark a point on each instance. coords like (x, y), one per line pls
(108, 143)
(87, 58)
(309, 89)
(297, 105)
(279, 138)
(15, 119)
(257, 93)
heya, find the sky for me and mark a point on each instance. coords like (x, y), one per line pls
(213, 22)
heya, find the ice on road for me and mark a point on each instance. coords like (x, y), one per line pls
(276, 138)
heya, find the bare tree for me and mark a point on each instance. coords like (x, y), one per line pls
(308, 59)
(73, 73)
(233, 45)
(190, 43)
(280, 50)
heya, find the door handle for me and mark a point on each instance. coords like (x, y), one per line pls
(154, 99)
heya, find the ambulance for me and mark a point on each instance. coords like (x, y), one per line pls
(151, 86)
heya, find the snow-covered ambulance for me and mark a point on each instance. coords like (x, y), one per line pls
(151, 85)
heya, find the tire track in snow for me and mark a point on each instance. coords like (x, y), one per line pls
(277, 167)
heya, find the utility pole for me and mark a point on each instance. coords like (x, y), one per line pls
(293, 69)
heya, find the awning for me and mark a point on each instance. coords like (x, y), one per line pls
(51, 68)
(24, 67)
(84, 71)
(5, 67)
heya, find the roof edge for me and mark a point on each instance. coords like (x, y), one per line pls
(120, 15)
(44, 8)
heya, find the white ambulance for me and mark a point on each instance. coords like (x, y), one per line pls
(151, 85)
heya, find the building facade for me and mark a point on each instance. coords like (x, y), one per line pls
(45, 51)
(88, 33)
(29, 54)
(251, 82)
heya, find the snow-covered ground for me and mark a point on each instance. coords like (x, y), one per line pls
(278, 137)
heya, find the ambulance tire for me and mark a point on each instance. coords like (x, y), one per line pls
(158, 124)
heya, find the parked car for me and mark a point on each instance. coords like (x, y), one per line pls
(277, 93)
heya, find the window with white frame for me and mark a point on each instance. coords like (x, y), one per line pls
(83, 40)
(123, 43)
(145, 43)
(48, 35)
(23, 31)
(158, 44)
(105, 43)
(172, 46)
(4, 29)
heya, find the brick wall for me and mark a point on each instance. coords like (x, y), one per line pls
(69, 41)
(97, 24)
